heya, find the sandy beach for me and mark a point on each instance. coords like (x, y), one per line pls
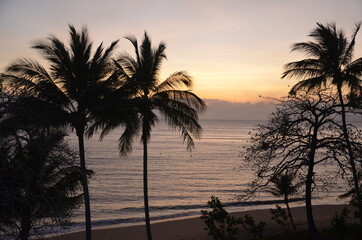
(193, 228)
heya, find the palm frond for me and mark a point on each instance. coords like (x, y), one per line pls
(309, 48)
(29, 68)
(354, 83)
(348, 53)
(132, 129)
(187, 126)
(32, 79)
(159, 56)
(354, 68)
(187, 97)
(174, 81)
(331, 54)
(128, 65)
(54, 51)
(134, 42)
(308, 84)
(305, 68)
(180, 116)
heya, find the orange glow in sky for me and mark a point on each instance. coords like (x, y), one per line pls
(235, 50)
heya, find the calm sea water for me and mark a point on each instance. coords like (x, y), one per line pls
(180, 182)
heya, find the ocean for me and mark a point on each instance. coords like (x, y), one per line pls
(180, 182)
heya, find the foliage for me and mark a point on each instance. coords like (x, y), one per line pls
(66, 94)
(219, 224)
(284, 187)
(329, 64)
(138, 93)
(285, 142)
(354, 233)
(339, 223)
(39, 180)
(303, 132)
(280, 216)
(329, 61)
(138, 98)
(253, 230)
(351, 194)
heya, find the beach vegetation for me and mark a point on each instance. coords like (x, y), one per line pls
(283, 186)
(339, 223)
(40, 180)
(65, 94)
(330, 63)
(300, 135)
(223, 226)
(219, 223)
(139, 92)
(353, 233)
(253, 230)
(280, 216)
(351, 195)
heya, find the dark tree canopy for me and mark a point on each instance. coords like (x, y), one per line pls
(68, 92)
(39, 180)
(285, 142)
(303, 133)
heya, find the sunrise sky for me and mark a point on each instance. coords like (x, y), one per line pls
(235, 50)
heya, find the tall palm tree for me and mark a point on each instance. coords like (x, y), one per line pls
(329, 63)
(69, 91)
(141, 94)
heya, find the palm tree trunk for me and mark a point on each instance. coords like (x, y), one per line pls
(88, 222)
(351, 156)
(145, 191)
(25, 225)
(290, 213)
(312, 230)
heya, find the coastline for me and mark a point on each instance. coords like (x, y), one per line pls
(192, 228)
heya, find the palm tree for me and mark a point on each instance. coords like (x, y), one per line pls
(69, 91)
(141, 93)
(329, 63)
(284, 187)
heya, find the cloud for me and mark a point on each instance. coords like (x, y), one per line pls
(224, 110)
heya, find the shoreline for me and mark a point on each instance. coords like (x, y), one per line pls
(192, 228)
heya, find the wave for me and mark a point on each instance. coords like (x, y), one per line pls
(203, 206)
(186, 211)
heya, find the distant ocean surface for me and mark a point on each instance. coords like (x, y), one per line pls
(180, 182)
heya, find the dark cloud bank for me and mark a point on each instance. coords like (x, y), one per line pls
(223, 110)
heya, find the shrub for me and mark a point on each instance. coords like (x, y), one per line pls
(253, 230)
(219, 224)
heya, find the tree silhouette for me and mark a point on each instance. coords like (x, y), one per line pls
(39, 179)
(140, 94)
(329, 63)
(302, 133)
(284, 187)
(68, 92)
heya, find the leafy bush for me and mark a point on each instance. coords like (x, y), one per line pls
(219, 224)
(280, 216)
(339, 223)
(253, 230)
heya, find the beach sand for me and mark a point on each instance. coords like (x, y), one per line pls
(193, 228)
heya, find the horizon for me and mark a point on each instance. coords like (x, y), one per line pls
(81, 147)
(235, 51)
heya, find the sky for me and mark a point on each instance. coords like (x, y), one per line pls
(235, 50)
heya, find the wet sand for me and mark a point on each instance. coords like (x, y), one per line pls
(192, 228)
